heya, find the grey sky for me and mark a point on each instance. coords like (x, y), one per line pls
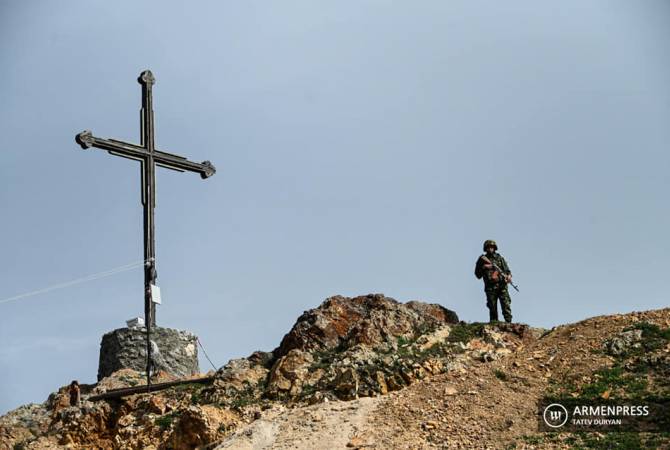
(361, 146)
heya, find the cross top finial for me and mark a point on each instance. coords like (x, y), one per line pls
(146, 78)
(85, 139)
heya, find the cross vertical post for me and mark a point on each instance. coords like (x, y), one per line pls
(149, 158)
(146, 79)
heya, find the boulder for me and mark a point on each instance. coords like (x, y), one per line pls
(289, 373)
(623, 342)
(373, 320)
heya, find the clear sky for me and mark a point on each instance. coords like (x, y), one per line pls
(361, 146)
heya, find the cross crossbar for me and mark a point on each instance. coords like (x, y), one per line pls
(132, 151)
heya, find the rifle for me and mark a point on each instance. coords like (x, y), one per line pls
(502, 272)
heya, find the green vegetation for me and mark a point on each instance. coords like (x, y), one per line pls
(636, 373)
(623, 441)
(547, 332)
(436, 350)
(324, 358)
(196, 397)
(653, 338)
(164, 422)
(499, 374)
(308, 389)
(403, 341)
(129, 380)
(398, 362)
(611, 379)
(641, 372)
(321, 362)
(249, 395)
(465, 332)
(193, 391)
(606, 441)
(533, 439)
(186, 387)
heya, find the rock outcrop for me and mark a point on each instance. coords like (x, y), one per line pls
(371, 320)
(340, 350)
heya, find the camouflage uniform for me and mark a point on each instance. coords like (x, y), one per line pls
(495, 286)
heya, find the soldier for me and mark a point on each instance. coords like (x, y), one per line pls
(489, 266)
(74, 393)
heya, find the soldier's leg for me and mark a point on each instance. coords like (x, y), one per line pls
(492, 304)
(506, 304)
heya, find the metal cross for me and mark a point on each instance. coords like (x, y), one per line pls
(149, 158)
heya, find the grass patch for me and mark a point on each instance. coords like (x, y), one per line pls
(605, 441)
(614, 378)
(567, 387)
(196, 397)
(653, 336)
(186, 387)
(320, 364)
(611, 441)
(192, 391)
(435, 350)
(165, 422)
(403, 341)
(241, 401)
(404, 346)
(465, 332)
(249, 395)
(308, 389)
(635, 374)
(533, 440)
(324, 358)
(499, 374)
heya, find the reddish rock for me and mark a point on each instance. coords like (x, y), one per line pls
(373, 319)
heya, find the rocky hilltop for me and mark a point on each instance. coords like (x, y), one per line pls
(371, 372)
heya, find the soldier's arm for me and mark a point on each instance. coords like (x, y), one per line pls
(478, 268)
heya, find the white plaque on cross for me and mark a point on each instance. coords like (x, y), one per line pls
(155, 294)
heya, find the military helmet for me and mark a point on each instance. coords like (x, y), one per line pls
(489, 243)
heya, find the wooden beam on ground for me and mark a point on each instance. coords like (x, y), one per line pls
(143, 389)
